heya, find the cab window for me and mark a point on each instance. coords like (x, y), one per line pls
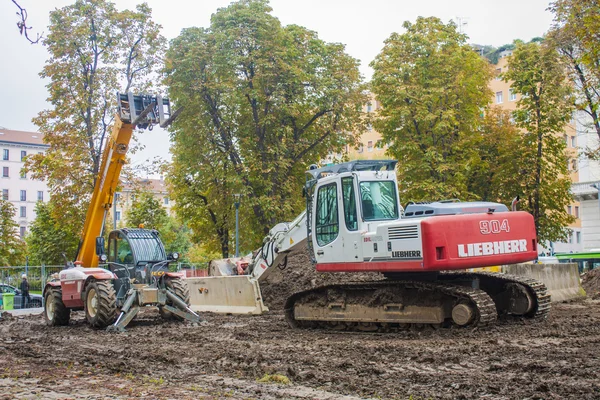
(350, 216)
(378, 200)
(119, 249)
(326, 218)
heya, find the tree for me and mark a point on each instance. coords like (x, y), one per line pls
(146, 210)
(576, 36)
(12, 248)
(498, 173)
(94, 50)
(49, 238)
(542, 112)
(433, 88)
(261, 102)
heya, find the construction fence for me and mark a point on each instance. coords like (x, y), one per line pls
(37, 276)
(40, 274)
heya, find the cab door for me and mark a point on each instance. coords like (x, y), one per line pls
(335, 235)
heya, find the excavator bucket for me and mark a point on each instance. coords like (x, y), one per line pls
(237, 294)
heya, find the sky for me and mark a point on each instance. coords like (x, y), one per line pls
(360, 25)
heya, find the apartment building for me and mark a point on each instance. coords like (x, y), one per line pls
(18, 187)
(129, 190)
(370, 144)
(503, 96)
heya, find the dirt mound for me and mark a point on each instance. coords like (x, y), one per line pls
(300, 274)
(591, 283)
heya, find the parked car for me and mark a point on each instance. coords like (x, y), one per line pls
(36, 299)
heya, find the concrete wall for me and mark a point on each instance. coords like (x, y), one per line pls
(562, 280)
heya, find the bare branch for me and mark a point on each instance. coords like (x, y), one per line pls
(22, 24)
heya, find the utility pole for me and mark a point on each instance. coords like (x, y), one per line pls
(237, 198)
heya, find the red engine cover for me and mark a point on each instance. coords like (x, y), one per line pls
(478, 240)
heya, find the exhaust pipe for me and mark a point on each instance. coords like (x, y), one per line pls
(514, 203)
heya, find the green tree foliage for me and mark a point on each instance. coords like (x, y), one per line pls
(576, 36)
(433, 88)
(146, 210)
(49, 237)
(95, 50)
(545, 107)
(493, 54)
(498, 173)
(12, 248)
(261, 103)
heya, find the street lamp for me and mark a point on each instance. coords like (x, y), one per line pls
(115, 199)
(237, 198)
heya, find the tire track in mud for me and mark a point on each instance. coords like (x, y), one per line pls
(224, 357)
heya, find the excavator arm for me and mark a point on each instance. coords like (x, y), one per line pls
(141, 111)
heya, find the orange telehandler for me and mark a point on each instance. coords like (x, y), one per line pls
(135, 272)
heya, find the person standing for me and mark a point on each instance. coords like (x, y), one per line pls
(24, 291)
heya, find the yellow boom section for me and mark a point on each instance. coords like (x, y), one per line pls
(144, 112)
(107, 181)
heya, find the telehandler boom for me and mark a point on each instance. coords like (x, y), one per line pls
(136, 273)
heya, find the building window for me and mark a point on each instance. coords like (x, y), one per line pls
(23, 175)
(23, 155)
(499, 97)
(360, 148)
(23, 195)
(574, 164)
(5, 172)
(5, 155)
(512, 95)
(573, 141)
(40, 195)
(498, 73)
(4, 194)
(576, 211)
(569, 210)
(22, 231)
(166, 200)
(369, 107)
(379, 144)
(370, 145)
(578, 236)
(23, 213)
(118, 215)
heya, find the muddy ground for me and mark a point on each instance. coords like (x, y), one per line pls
(226, 356)
(591, 283)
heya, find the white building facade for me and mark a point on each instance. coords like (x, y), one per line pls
(17, 187)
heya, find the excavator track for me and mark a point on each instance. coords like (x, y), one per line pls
(498, 286)
(390, 306)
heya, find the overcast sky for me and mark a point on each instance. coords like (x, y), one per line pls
(361, 25)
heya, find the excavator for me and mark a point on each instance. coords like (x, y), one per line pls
(136, 266)
(353, 223)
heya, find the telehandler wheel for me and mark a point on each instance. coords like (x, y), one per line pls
(100, 304)
(177, 286)
(55, 311)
